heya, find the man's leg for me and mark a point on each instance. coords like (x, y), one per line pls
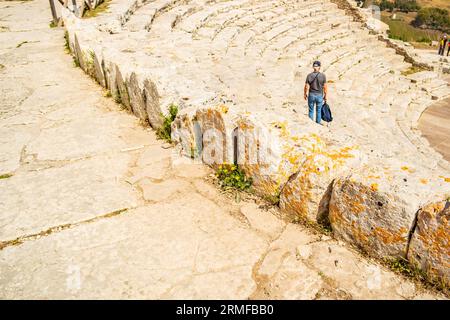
(311, 106)
(319, 101)
(448, 50)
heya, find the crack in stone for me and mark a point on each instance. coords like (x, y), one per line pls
(261, 281)
(20, 240)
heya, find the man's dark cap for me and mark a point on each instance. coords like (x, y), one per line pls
(316, 64)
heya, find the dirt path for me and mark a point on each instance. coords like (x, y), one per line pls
(435, 125)
(93, 206)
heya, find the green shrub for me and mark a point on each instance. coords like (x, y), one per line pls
(232, 177)
(400, 5)
(406, 5)
(434, 18)
(166, 129)
(386, 5)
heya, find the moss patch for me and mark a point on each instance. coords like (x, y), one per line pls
(412, 70)
(5, 176)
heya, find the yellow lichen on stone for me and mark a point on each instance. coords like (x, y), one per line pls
(406, 168)
(389, 236)
(223, 108)
(446, 179)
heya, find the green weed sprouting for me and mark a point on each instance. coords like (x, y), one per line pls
(232, 177)
(165, 131)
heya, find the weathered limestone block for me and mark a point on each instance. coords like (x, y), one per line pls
(79, 54)
(186, 133)
(375, 207)
(98, 69)
(111, 80)
(217, 127)
(430, 244)
(259, 152)
(270, 152)
(307, 193)
(124, 97)
(152, 105)
(136, 95)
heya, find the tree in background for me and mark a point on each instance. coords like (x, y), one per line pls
(406, 5)
(399, 5)
(434, 18)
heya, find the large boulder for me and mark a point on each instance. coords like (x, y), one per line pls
(375, 207)
(267, 151)
(429, 249)
(217, 125)
(259, 152)
(271, 152)
(186, 133)
(307, 194)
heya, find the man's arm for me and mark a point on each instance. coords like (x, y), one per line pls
(325, 91)
(305, 91)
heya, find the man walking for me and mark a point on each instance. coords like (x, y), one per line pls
(316, 91)
(442, 45)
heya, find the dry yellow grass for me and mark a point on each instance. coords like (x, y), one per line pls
(443, 4)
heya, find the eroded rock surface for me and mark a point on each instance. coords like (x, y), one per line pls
(430, 244)
(81, 218)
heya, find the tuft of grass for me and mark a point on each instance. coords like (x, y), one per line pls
(273, 199)
(117, 98)
(5, 176)
(52, 24)
(95, 12)
(90, 69)
(232, 177)
(66, 42)
(76, 63)
(405, 268)
(402, 266)
(322, 227)
(165, 131)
